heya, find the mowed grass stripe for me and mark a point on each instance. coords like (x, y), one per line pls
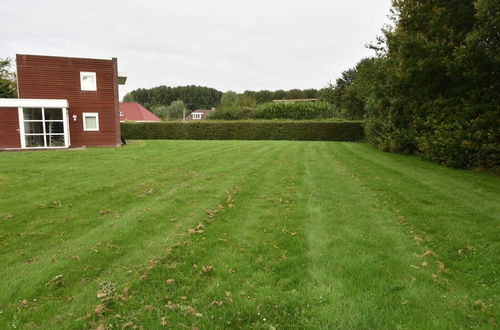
(359, 264)
(458, 241)
(469, 188)
(453, 223)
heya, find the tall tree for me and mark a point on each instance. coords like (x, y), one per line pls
(228, 100)
(246, 100)
(263, 96)
(177, 110)
(194, 97)
(279, 94)
(439, 97)
(8, 86)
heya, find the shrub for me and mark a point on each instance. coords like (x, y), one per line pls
(295, 110)
(233, 113)
(246, 130)
(434, 89)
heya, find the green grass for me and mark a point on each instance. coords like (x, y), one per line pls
(245, 234)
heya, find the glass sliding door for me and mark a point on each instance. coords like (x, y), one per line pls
(44, 128)
(33, 128)
(54, 127)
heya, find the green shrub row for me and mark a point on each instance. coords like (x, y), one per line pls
(276, 110)
(296, 110)
(233, 113)
(246, 130)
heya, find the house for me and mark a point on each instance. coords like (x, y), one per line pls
(133, 111)
(63, 102)
(199, 114)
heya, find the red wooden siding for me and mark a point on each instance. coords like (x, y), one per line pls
(49, 77)
(9, 128)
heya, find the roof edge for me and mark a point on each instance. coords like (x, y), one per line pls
(33, 103)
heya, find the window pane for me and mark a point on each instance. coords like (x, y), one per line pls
(53, 114)
(32, 113)
(55, 140)
(34, 141)
(54, 127)
(88, 81)
(33, 127)
(91, 122)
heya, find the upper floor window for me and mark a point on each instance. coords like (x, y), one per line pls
(88, 81)
(196, 115)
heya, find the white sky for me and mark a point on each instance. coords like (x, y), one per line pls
(229, 45)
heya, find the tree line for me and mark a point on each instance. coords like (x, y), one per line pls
(194, 97)
(433, 87)
(199, 97)
(172, 102)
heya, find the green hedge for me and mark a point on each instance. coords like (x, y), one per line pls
(246, 130)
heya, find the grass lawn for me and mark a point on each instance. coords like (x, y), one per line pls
(245, 234)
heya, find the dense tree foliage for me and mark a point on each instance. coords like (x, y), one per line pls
(8, 88)
(176, 110)
(446, 85)
(233, 106)
(228, 100)
(434, 88)
(295, 110)
(159, 110)
(194, 97)
(350, 92)
(265, 96)
(198, 97)
(231, 113)
(276, 110)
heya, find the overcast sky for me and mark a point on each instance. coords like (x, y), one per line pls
(229, 45)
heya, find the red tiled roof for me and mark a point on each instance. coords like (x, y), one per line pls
(135, 112)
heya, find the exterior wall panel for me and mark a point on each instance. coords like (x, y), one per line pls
(9, 128)
(49, 77)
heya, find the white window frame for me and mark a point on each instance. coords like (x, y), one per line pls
(23, 134)
(196, 115)
(90, 114)
(90, 88)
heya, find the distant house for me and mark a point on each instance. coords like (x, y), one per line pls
(199, 114)
(133, 111)
(63, 102)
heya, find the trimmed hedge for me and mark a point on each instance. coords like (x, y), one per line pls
(246, 130)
